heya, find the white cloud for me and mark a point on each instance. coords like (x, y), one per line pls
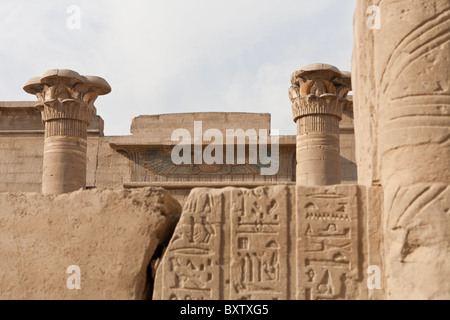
(176, 56)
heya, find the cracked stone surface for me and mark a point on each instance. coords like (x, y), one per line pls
(110, 235)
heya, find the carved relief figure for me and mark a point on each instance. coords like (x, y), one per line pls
(271, 262)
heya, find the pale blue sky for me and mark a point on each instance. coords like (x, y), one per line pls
(171, 56)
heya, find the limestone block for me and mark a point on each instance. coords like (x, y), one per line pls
(110, 235)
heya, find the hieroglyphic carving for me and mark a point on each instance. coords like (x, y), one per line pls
(259, 244)
(191, 268)
(327, 240)
(158, 161)
(241, 244)
(229, 244)
(154, 164)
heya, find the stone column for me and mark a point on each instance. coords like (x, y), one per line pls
(402, 107)
(318, 95)
(66, 102)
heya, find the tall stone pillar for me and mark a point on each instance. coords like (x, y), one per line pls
(402, 111)
(319, 95)
(66, 102)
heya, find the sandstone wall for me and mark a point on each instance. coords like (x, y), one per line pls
(22, 147)
(112, 167)
(110, 235)
(160, 127)
(274, 243)
(115, 162)
(349, 173)
(21, 163)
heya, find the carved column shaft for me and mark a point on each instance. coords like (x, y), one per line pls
(403, 96)
(66, 102)
(318, 96)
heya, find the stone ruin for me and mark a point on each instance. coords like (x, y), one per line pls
(358, 208)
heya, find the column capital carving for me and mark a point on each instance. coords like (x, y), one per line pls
(66, 101)
(65, 94)
(319, 89)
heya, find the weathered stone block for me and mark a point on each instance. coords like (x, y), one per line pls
(230, 244)
(280, 242)
(110, 235)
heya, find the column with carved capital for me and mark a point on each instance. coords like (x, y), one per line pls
(66, 101)
(319, 95)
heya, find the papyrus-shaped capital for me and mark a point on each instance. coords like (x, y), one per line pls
(65, 94)
(66, 101)
(319, 89)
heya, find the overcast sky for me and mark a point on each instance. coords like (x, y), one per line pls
(171, 56)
